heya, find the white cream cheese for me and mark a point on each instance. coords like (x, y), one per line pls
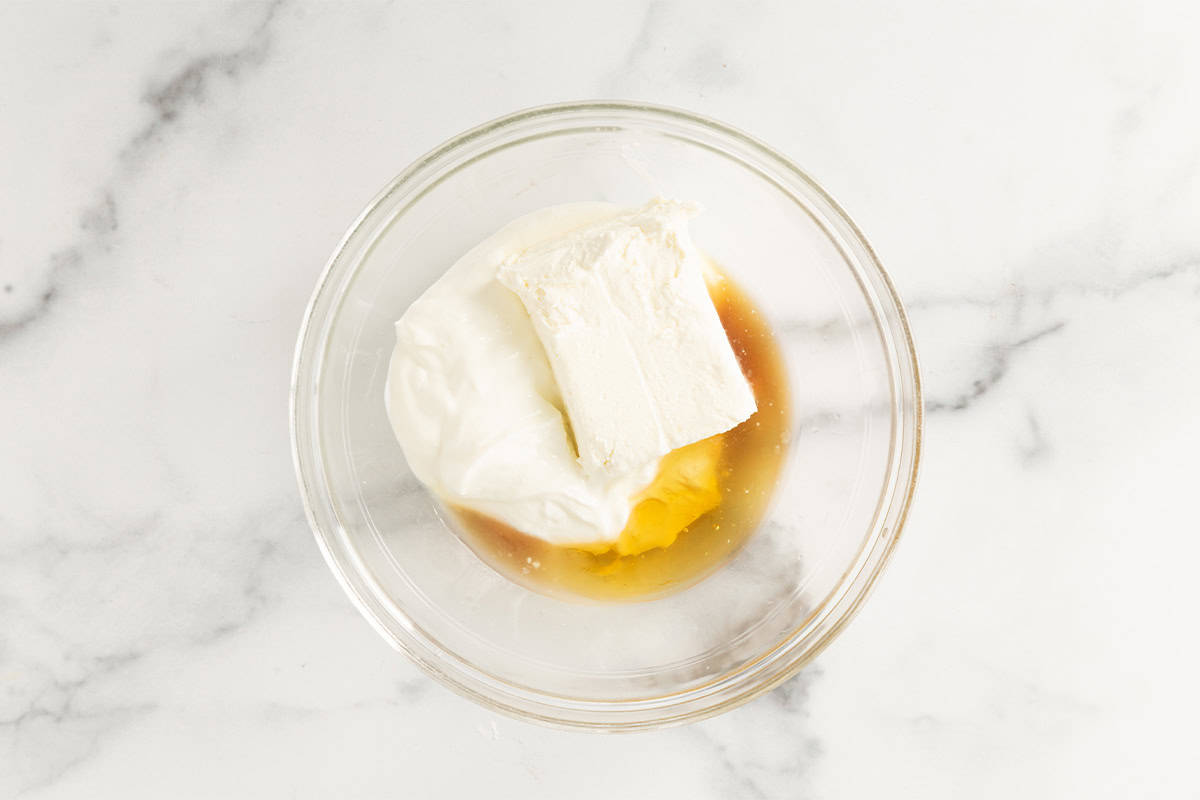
(635, 344)
(475, 404)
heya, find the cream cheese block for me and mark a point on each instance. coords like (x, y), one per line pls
(637, 350)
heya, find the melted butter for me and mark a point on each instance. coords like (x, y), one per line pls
(706, 500)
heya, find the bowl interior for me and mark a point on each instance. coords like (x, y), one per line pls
(416, 580)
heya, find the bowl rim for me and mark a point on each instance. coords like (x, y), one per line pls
(727, 691)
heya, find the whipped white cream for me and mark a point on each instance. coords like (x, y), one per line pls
(475, 407)
(473, 399)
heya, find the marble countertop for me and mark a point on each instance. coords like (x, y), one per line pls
(175, 176)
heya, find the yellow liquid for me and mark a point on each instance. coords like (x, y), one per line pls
(705, 503)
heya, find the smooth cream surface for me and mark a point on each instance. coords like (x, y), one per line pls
(475, 407)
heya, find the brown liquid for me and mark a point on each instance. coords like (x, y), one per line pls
(750, 462)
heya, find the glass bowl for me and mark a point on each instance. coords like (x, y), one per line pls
(843, 493)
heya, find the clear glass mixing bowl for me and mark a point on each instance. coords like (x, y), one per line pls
(843, 493)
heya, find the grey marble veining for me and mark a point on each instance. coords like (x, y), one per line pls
(178, 173)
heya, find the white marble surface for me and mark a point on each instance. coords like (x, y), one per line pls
(174, 177)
